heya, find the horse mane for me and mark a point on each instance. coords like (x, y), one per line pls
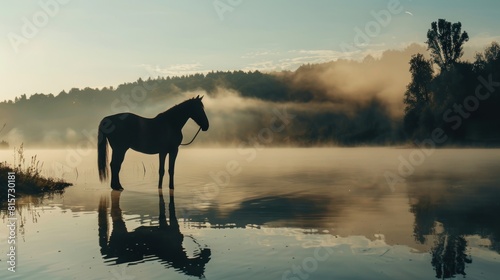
(174, 110)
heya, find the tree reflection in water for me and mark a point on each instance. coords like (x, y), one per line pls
(448, 255)
(448, 215)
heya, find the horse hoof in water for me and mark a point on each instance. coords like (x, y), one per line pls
(117, 188)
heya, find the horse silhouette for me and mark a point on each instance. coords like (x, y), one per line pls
(160, 135)
(147, 243)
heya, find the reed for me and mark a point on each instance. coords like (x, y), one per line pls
(28, 177)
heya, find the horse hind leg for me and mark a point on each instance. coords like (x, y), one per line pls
(116, 164)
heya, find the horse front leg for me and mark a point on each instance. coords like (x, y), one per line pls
(161, 170)
(171, 165)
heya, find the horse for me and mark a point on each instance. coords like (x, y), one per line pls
(159, 135)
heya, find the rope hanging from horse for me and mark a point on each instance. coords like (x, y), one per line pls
(185, 144)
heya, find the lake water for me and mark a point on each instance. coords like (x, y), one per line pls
(280, 213)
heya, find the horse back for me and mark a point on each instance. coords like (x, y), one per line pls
(145, 135)
(114, 124)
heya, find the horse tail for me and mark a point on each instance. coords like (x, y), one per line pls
(102, 154)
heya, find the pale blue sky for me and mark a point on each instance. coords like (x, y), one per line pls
(99, 43)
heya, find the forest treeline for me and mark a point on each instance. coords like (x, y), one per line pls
(401, 97)
(65, 118)
(239, 105)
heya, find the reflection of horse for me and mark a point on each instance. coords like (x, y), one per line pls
(161, 135)
(146, 243)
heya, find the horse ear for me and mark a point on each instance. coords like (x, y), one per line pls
(197, 97)
(201, 97)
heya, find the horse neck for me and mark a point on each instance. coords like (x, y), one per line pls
(181, 121)
(177, 118)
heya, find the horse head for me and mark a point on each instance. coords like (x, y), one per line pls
(198, 113)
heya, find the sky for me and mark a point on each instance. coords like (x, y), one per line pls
(47, 46)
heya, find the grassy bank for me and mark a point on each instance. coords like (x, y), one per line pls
(28, 180)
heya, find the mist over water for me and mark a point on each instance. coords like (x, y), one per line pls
(272, 212)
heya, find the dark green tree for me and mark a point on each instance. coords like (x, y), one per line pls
(490, 56)
(445, 41)
(418, 92)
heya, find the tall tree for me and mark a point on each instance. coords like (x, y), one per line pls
(418, 92)
(490, 56)
(445, 41)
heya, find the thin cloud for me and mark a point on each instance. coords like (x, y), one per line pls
(174, 70)
(482, 40)
(477, 44)
(260, 54)
(293, 59)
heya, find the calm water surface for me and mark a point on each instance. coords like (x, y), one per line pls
(323, 213)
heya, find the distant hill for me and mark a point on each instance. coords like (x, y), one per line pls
(340, 102)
